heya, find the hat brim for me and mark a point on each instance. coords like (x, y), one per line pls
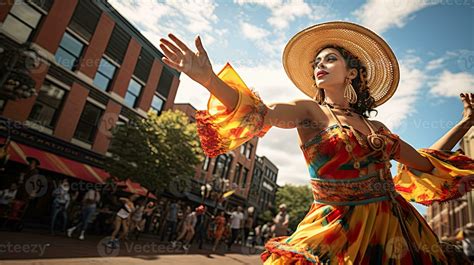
(383, 72)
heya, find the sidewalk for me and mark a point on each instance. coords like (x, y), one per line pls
(41, 246)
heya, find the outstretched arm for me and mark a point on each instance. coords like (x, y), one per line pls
(198, 67)
(449, 140)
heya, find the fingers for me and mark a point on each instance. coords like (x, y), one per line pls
(178, 42)
(467, 99)
(169, 54)
(171, 63)
(171, 46)
(199, 46)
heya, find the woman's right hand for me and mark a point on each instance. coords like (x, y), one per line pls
(196, 65)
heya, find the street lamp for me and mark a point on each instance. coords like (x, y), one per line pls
(15, 78)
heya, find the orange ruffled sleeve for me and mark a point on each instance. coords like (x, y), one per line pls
(452, 174)
(221, 130)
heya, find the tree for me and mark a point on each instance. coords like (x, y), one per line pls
(298, 199)
(155, 150)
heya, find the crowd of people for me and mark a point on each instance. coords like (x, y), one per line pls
(108, 210)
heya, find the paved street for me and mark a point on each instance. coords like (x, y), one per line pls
(38, 247)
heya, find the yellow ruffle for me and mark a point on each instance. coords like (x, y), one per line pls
(221, 130)
(448, 180)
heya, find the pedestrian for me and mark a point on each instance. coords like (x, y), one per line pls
(220, 226)
(266, 232)
(61, 200)
(137, 222)
(89, 206)
(248, 227)
(281, 222)
(187, 231)
(468, 242)
(236, 224)
(171, 222)
(122, 220)
(201, 225)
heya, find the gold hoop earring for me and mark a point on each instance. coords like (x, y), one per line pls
(350, 93)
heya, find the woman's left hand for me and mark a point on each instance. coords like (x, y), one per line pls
(468, 113)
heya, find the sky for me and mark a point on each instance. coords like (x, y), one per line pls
(432, 40)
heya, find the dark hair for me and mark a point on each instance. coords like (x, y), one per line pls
(365, 102)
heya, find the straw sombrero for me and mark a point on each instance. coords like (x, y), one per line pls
(383, 73)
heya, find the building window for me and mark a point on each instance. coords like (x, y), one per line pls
(228, 162)
(244, 176)
(157, 104)
(238, 169)
(205, 165)
(105, 74)
(22, 21)
(248, 151)
(47, 106)
(164, 85)
(133, 93)
(87, 127)
(69, 51)
(242, 148)
(220, 165)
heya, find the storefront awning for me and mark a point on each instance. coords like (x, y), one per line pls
(19, 153)
(48, 161)
(135, 188)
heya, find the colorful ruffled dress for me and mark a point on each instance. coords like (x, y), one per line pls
(353, 218)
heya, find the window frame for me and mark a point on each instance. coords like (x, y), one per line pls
(137, 97)
(52, 124)
(81, 53)
(95, 126)
(33, 29)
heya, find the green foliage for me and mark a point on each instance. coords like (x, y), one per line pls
(266, 216)
(155, 150)
(298, 199)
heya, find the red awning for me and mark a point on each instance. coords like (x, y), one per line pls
(136, 188)
(19, 153)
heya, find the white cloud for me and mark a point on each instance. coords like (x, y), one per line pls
(253, 32)
(285, 12)
(380, 15)
(450, 84)
(184, 18)
(435, 64)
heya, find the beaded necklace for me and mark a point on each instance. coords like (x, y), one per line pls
(376, 141)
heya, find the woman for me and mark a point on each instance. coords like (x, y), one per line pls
(220, 224)
(360, 215)
(187, 231)
(122, 220)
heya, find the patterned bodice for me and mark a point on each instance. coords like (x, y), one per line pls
(326, 156)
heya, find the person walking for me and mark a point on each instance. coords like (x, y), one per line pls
(236, 223)
(89, 206)
(61, 200)
(281, 222)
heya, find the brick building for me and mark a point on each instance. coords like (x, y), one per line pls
(235, 166)
(96, 70)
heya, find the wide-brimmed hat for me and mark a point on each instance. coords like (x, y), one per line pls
(383, 72)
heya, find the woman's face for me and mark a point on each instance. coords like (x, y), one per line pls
(331, 61)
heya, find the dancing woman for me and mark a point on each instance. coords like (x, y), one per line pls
(360, 214)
